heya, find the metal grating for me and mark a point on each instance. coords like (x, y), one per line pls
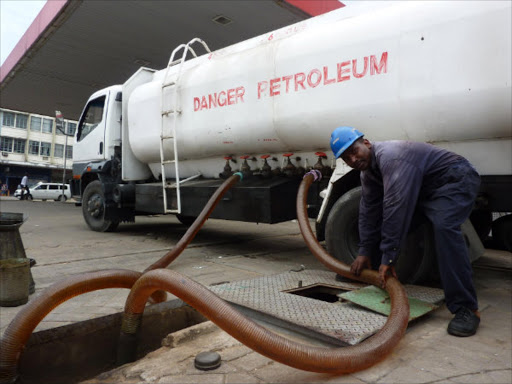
(343, 323)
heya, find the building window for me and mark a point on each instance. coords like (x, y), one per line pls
(35, 124)
(69, 152)
(47, 125)
(19, 146)
(6, 144)
(71, 128)
(21, 121)
(45, 148)
(8, 119)
(58, 151)
(33, 147)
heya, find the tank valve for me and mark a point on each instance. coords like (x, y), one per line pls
(245, 169)
(324, 169)
(289, 169)
(277, 170)
(307, 167)
(300, 169)
(266, 170)
(227, 169)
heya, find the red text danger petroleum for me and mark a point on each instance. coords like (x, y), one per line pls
(300, 81)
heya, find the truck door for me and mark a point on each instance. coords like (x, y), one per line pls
(90, 137)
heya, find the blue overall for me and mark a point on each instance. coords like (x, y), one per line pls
(405, 177)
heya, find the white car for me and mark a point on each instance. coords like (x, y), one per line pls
(46, 191)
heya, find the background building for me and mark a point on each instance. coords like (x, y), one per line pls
(31, 143)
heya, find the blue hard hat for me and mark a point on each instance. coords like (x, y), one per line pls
(342, 138)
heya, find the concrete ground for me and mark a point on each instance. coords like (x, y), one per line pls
(58, 239)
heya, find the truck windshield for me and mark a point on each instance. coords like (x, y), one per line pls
(91, 117)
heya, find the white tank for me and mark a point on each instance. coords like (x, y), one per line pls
(438, 72)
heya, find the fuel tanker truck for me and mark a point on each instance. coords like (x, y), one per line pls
(437, 72)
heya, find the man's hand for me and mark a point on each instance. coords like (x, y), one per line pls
(386, 270)
(361, 262)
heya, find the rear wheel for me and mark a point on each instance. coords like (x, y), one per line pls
(93, 209)
(62, 198)
(502, 232)
(417, 258)
(28, 197)
(187, 220)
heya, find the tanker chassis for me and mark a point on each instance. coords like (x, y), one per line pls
(437, 72)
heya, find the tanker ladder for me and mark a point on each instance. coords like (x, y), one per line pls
(171, 134)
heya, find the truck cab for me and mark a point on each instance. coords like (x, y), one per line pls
(97, 136)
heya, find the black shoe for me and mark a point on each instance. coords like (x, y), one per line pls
(465, 323)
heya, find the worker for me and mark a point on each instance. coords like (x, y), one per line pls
(398, 177)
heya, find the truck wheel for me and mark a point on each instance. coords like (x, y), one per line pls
(187, 220)
(29, 197)
(502, 232)
(93, 209)
(482, 222)
(62, 198)
(416, 260)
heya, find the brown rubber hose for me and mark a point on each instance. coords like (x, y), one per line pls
(315, 359)
(367, 276)
(169, 257)
(21, 327)
(342, 360)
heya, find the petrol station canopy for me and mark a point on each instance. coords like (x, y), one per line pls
(74, 48)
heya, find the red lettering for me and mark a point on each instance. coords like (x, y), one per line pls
(318, 79)
(204, 103)
(274, 86)
(240, 91)
(287, 79)
(299, 81)
(383, 65)
(342, 71)
(326, 75)
(354, 68)
(262, 87)
(212, 100)
(223, 101)
(231, 96)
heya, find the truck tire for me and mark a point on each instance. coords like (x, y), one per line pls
(62, 198)
(93, 209)
(416, 262)
(186, 220)
(502, 232)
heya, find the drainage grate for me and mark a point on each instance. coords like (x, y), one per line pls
(341, 323)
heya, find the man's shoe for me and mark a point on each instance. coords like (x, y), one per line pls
(465, 323)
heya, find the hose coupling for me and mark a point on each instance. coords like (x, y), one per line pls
(239, 174)
(317, 175)
(131, 322)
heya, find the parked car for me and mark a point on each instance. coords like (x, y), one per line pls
(46, 191)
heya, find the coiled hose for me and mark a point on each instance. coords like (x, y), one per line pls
(21, 327)
(340, 360)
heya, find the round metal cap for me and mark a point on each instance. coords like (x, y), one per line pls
(206, 361)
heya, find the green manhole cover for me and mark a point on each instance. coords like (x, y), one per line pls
(378, 300)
